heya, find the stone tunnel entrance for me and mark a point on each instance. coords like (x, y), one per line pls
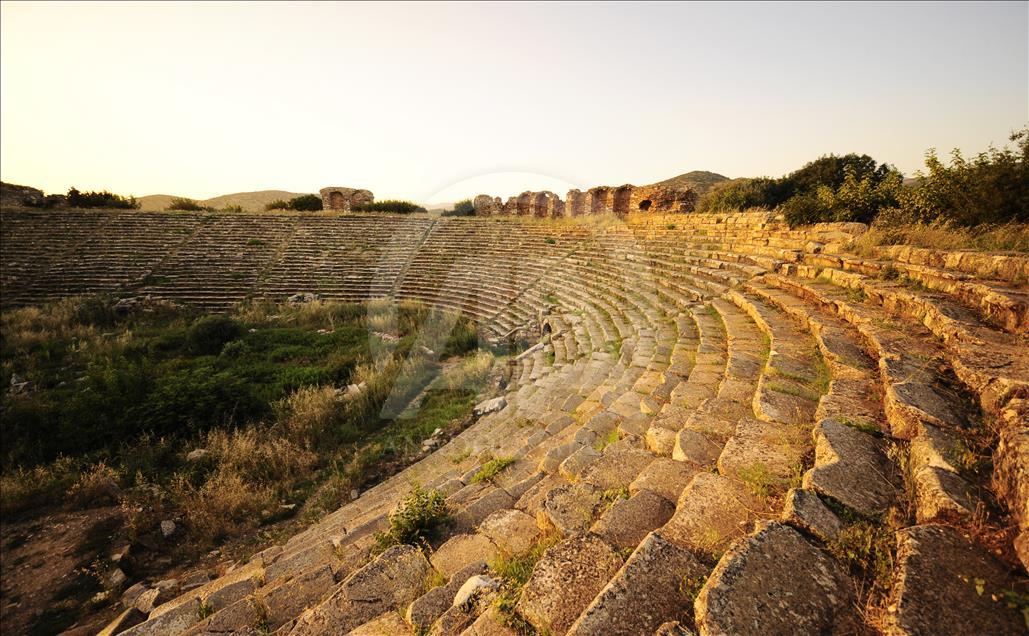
(337, 201)
(621, 201)
(645, 205)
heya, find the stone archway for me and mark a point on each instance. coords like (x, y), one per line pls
(645, 205)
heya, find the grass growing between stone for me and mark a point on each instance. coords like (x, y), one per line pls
(492, 468)
(514, 571)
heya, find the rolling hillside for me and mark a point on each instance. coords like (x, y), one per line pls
(249, 201)
(700, 180)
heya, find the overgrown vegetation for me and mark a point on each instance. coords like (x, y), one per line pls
(465, 207)
(302, 203)
(491, 469)
(186, 205)
(417, 520)
(988, 189)
(102, 199)
(390, 206)
(224, 422)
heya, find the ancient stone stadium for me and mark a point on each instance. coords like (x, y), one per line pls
(715, 424)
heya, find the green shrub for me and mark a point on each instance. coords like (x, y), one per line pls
(209, 334)
(464, 207)
(492, 468)
(419, 518)
(741, 194)
(992, 187)
(186, 205)
(389, 206)
(306, 203)
(104, 199)
(278, 204)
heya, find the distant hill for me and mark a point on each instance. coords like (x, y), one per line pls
(249, 201)
(700, 180)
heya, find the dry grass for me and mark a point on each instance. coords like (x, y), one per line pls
(98, 485)
(221, 505)
(1010, 237)
(308, 412)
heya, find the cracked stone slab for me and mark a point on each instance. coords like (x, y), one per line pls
(645, 592)
(712, 511)
(851, 467)
(628, 521)
(565, 580)
(756, 588)
(803, 509)
(665, 477)
(943, 579)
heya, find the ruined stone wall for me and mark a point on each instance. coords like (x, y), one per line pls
(344, 199)
(621, 200)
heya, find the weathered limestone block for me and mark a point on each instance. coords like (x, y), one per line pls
(512, 531)
(627, 521)
(124, 621)
(472, 514)
(941, 495)
(803, 509)
(565, 580)
(776, 582)
(569, 509)
(573, 467)
(712, 511)
(945, 582)
(696, 448)
(617, 468)
(645, 592)
(424, 611)
(390, 582)
(387, 624)
(285, 601)
(665, 477)
(851, 468)
(460, 551)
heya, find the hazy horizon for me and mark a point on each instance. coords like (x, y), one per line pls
(436, 102)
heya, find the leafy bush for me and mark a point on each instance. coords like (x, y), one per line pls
(186, 205)
(104, 199)
(464, 207)
(741, 194)
(209, 334)
(389, 206)
(306, 203)
(419, 518)
(278, 204)
(992, 187)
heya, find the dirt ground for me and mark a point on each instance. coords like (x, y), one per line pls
(45, 581)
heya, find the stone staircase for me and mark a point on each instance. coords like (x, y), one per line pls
(715, 403)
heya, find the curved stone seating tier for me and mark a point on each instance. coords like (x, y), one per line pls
(712, 400)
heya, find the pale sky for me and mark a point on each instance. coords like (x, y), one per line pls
(433, 102)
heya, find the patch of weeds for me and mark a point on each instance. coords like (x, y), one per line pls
(434, 579)
(860, 424)
(419, 518)
(550, 357)
(237, 275)
(866, 548)
(913, 284)
(204, 609)
(551, 241)
(759, 480)
(889, 273)
(514, 572)
(670, 226)
(611, 495)
(607, 440)
(256, 241)
(461, 456)
(614, 347)
(690, 586)
(855, 295)
(492, 468)
(792, 388)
